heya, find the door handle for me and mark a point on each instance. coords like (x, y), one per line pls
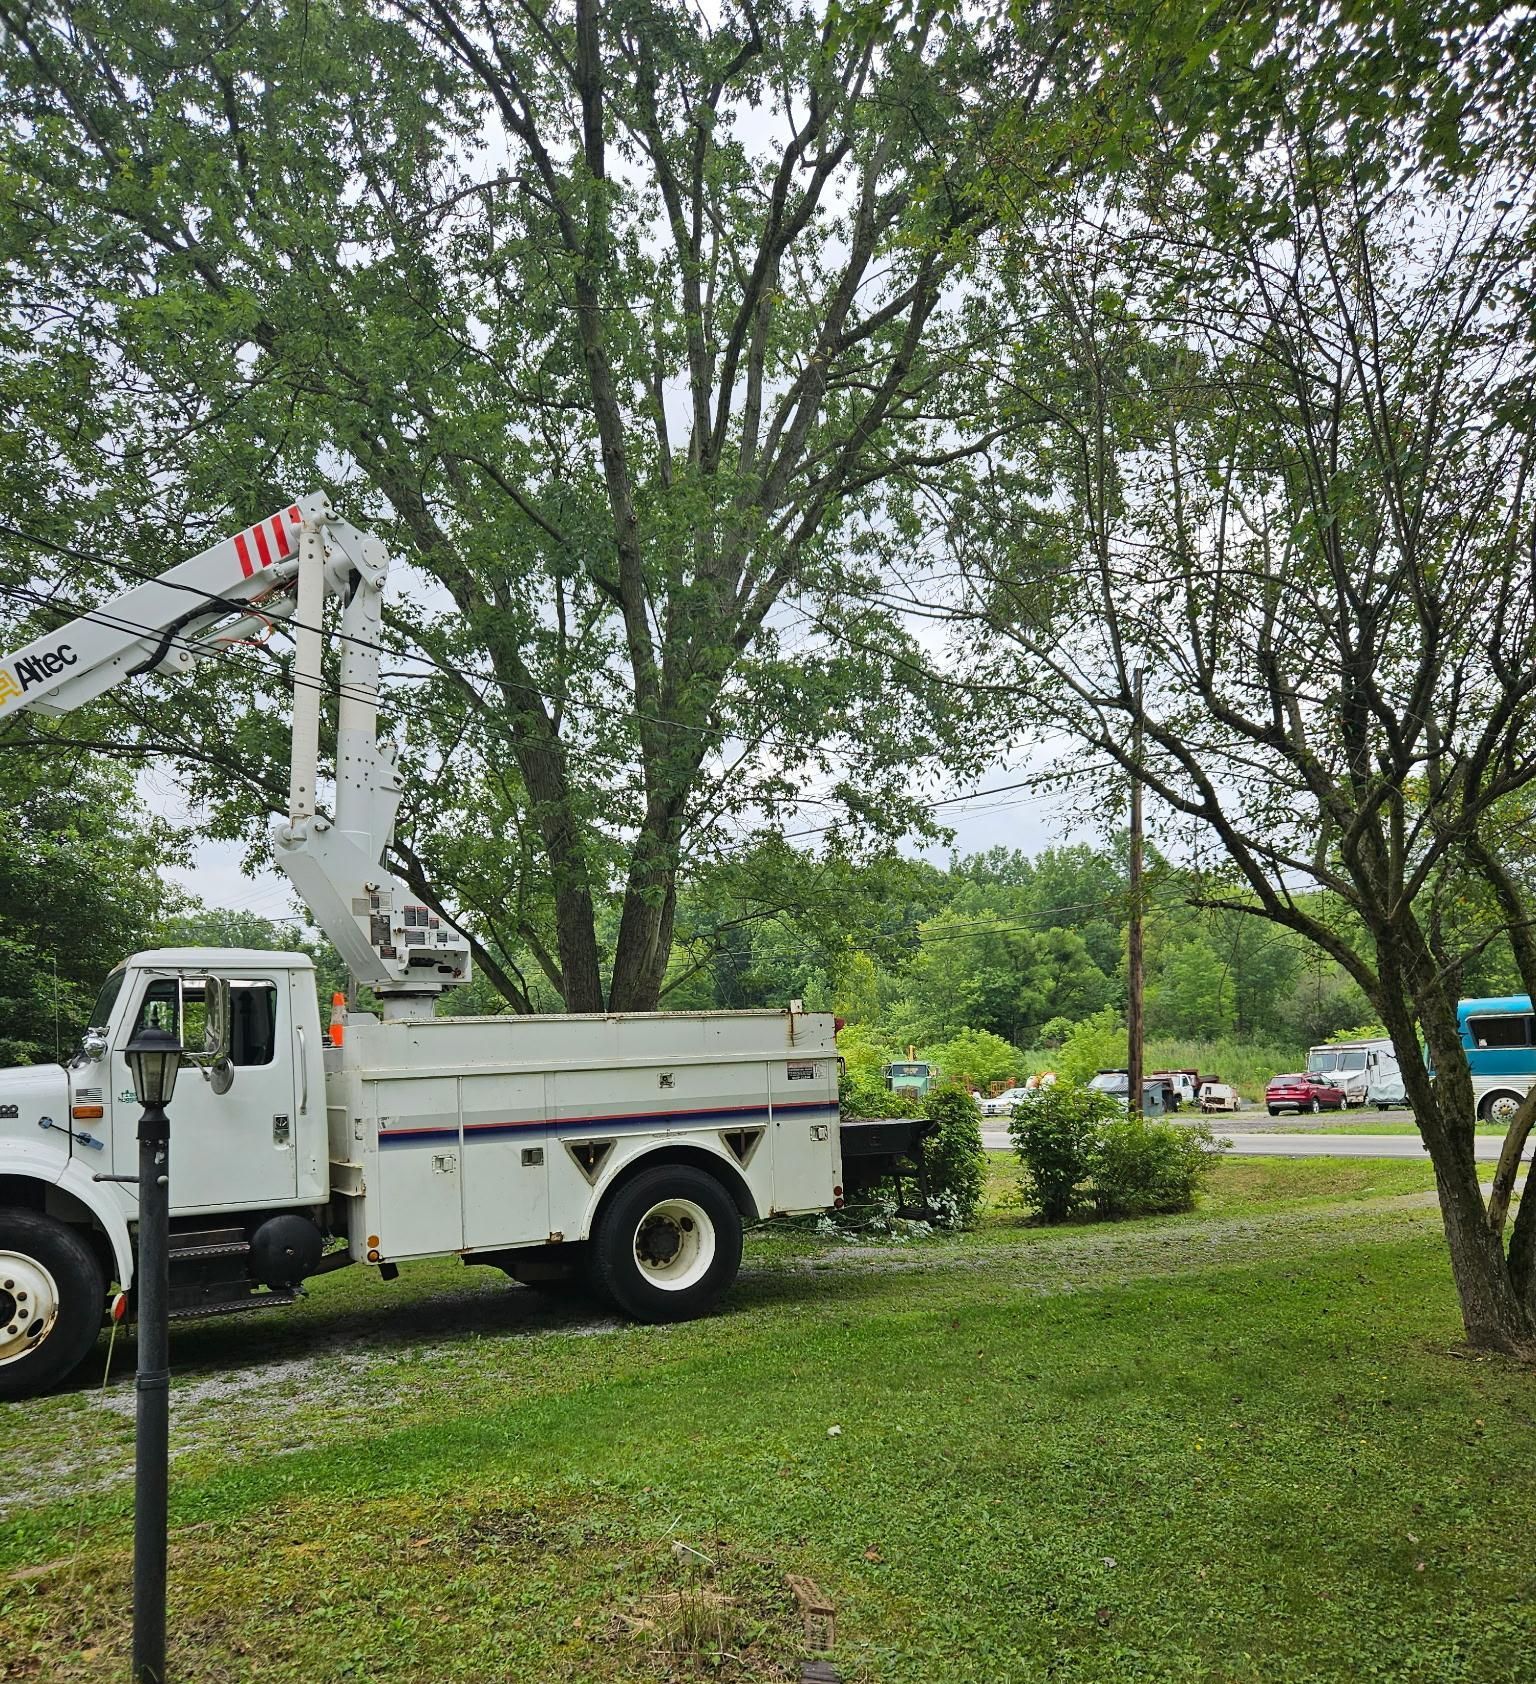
(303, 1072)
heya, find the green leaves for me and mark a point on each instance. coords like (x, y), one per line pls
(636, 333)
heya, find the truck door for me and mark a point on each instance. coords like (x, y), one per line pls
(230, 1150)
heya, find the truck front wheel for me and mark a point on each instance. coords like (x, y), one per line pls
(668, 1244)
(52, 1295)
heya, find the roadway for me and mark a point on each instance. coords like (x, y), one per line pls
(1272, 1144)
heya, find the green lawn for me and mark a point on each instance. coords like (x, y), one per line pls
(1240, 1445)
(1333, 1122)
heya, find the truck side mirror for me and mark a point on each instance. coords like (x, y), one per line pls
(216, 1020)
(212, 1057)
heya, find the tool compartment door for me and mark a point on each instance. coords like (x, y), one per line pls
(420, 1173)
(807, 1162)
(506, 1160)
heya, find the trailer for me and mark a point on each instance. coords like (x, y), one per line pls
(627, 1149)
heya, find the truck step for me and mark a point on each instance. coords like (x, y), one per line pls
(190, 1243)
(233, 1306)
(194, 1253)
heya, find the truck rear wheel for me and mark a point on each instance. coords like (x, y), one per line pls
(52, 1297)
(668, 1245)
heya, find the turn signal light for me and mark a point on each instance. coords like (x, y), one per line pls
(837, 1192)
(84, 1113)
(373, 1254)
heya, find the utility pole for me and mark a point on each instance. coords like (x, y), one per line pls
(1134, 967)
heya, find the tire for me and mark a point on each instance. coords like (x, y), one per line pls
(667, 1245)
(1315, 1106)
(45, 1266)
(1498, 1108)
(1274, 1110)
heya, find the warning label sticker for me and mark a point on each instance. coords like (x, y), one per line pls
(800, 1072)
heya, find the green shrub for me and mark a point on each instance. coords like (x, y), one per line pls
(1056, 1134)
(1090, 1045)
(1145, 1168)
(977, 1055)
(868, 1096)
(953, 1161)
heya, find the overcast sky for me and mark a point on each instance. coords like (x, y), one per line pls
(1018, 819)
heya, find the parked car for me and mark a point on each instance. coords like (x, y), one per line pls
(1219, 1096)
(1303, 1091)
(1002, 1104)
(1116, 1082)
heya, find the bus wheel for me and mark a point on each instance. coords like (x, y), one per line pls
(1498, 1108)
(668, 1245)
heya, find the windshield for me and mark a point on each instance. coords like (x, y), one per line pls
(1323, 1061)
(1352, 1060)
(101, 1012)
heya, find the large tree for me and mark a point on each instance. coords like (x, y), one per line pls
(642, 337)
(1291, 446)
(80, 882)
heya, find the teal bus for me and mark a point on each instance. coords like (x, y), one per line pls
(1499, 1038)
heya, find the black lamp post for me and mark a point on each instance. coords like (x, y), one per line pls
(154, 1056)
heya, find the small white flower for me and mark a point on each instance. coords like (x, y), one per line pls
(834, 1432)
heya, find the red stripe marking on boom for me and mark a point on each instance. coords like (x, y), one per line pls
(246, 565)
(280, 534)
(259, 533)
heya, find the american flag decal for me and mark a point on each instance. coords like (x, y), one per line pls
(268, 541)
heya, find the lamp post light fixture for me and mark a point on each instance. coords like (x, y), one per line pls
(154, 1057)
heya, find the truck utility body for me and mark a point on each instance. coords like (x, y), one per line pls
(418, 1137)
(628, 1148)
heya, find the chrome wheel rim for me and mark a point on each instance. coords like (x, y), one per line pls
(29, 1305)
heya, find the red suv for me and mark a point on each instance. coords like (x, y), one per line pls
(1302, 1092)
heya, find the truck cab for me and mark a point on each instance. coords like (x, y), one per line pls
(250, 1125)
(250, 1158)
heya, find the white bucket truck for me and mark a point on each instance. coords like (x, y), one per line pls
(629, 1148)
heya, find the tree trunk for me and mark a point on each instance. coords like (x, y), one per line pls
(1492, 1312)
(581, 977)
(645, 930)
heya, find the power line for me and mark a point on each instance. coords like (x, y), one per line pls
(104, 617)
(426, 658)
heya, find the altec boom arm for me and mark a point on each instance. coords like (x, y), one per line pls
(279, 570)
